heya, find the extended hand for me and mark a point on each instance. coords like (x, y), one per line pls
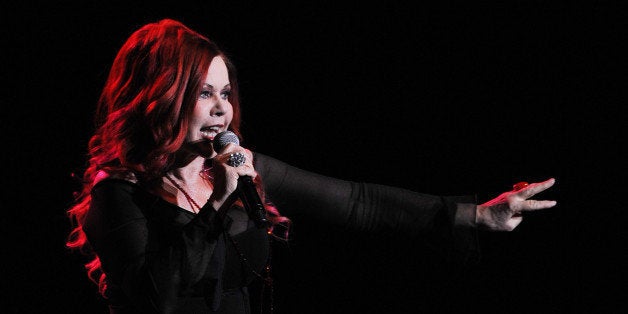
(503, 213)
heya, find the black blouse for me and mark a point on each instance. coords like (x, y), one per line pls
(160, 258)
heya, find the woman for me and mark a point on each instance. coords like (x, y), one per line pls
(159, 213)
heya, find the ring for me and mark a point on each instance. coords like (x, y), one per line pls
(520, 185)
(236, 160)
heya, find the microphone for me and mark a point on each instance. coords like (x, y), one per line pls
(246, 186)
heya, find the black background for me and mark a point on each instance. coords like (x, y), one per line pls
(439, 98)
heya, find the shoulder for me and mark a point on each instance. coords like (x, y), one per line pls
(264, 161)
(126, 176)
(118, 197)
(114, 184)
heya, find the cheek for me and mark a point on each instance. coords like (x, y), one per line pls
(228, 110)
(195, 121)
(197, 115)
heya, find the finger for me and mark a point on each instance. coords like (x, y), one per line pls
(230, 148)
(532, 205)
(247, 170)
(535, 188)
(248, 154)
(238, 149)
(513, 222)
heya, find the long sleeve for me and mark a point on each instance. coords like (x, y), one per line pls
(150, 252)
(368, 207)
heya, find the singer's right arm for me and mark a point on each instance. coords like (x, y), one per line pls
(226, 177)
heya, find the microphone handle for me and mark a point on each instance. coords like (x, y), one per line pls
(252, 202)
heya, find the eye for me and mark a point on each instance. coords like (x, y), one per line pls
(205, 94)
(225, 94)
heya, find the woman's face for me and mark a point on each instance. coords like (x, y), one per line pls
(213, 111)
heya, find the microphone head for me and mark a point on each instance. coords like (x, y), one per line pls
(223, 138)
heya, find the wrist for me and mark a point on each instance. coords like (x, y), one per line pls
(466, 215)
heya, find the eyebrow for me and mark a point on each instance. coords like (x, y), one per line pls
(212, 87)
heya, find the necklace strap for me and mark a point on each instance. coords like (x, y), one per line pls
(195, 207)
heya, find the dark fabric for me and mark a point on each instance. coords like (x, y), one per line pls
(370, 207)
(160, 258)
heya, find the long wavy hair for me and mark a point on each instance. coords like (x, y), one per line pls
(142, 116)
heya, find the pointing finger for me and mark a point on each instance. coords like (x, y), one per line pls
(535, 188)
(531, 205)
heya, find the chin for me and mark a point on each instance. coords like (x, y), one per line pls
(202, 148)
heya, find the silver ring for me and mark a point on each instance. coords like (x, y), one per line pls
(236, 160)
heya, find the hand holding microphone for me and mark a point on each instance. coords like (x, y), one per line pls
(246, 187)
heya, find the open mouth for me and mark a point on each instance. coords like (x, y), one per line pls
(209, 133)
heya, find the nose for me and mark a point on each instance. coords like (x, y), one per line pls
(218, 109)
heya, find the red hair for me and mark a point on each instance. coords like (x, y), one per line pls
(142, 114)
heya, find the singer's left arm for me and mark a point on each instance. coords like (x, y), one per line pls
(368, 207)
